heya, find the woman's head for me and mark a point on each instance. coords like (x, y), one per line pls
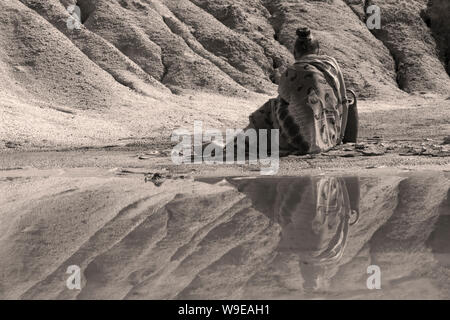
(305, 44)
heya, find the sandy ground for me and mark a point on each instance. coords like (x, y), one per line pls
(405, 134)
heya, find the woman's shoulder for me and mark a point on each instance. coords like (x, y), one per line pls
(314, 58)
(328, 58)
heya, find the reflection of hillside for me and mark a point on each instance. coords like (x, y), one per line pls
(238, 238)
(400, 247)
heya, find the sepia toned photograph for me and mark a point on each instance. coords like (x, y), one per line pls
(224, 155)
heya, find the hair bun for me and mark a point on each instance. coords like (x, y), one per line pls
(304, 33)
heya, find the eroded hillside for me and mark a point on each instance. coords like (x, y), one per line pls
(223, 46)
(141, 68)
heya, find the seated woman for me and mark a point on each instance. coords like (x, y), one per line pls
(311, 110)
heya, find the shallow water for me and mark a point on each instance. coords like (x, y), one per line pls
(334, 230)
(309, 237)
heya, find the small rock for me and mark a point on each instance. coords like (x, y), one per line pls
(156, 178)
(349, 155)
(446, 140)
(152, 153)
(373, 150)
(375, 167)
(11, 145)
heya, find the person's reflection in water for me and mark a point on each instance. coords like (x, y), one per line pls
(315, 215)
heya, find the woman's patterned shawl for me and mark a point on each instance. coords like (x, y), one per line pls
(311, 109)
